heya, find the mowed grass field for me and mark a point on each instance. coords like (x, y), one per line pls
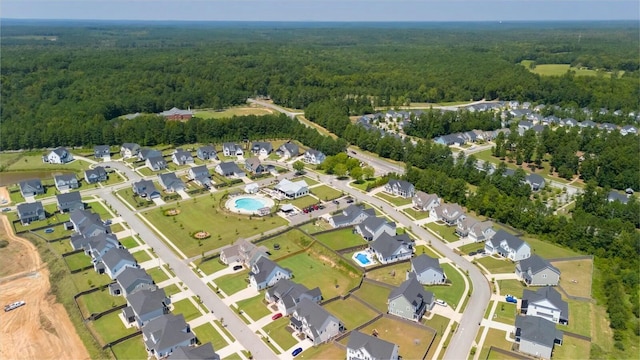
(341, 239)
(351, 312)
(203, 214)
(413, 340)
(374, 295)
(230, 112)
(576, 276)
(561, 69)
(289, 242)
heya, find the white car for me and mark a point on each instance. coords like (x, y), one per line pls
(441, 302)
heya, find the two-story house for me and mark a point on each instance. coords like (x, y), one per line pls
(389, 249)
(372, 227)
(129, 150)
(29, 212)
(200, 175)
(207, 152)
(145, 305)
(66, 182)
(266, 273)
(474, 229)
(362, 346)
(316, 323)
(410, 300)
(261, 148)
(171, 183)
(58, 156)
(229, 169)
(425, 202)
(288, 150)
(98, 245)
(232, 149)
(114, 262)
(450, 214)
(87, 223)
(130, 281)
(536, 271)
(166, 333)
(146, 189)
(507, 245)
(351, 215)
(102, 152)
(156, 163)
(286, 295)
(147, 153)
(182, 157)
(95, 175)
(427, 270)
(546, 303)
(254, 166)
(242, 252)
(314, 157)
(31, 187)
(69, 202)
(400, 188)
(537, 336)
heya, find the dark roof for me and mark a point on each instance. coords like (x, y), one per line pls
(207, 149)
(145, 187)
(290, 292)
(29, 208)
(168, 330)
(130, 276)
(616, 196)
(171, 181)
(386, 245)
(412, 291)
(550, 294)
(149, 153)
(315, 314)
(291, 148)
(146, 301)
(538, 330)
(202, 352)
(31, 183)
(350, 213)
(259, 145)
(101, 149)
(65, 178)
(131, 146)
(229, 167)
(114, 256)
(98, 171)
(535, 179)
(315, 153)
(376, 347)
(424, 262)
(157, 160)
(513, 241)
(536, 264)
(402, 184)
(69, 197)
(265, 267)
(374, 223)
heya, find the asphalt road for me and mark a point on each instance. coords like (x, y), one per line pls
(380, 166)
(275, 107)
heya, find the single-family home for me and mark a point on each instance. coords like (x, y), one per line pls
(536, 271)
(202, 352)
(170, 182)
(88, 224)
(425, 202)
(102, 152)
(288, 150)
(69, 202)
(451, 139)
(608, 127)
(31, 187)
(372, 227)
(229, 168)
(147, 153)
(292, 190)
(588, 124)
(66, 182)
(450, 214)
(316, 323)
(363, 346)
(58, 156)
(628, 129)
(129, 150)
(616, 196)
(146, 189)
(400, 188)
(286, 295)
(207, 152)
(546, 303)
(130, 281)
(389, 249)
(28, 212)
(232, 149)
(523, 126)
(200, 175)
(95, 175)
(243, 252)
(156, 163)
(427, 270)
(166, 333)
(254, 166)
(177, 114)
(351, 215)
(182, 157)
(314, 157)
(410, 300)
(261, 148)
(266, 272)
(481, 231)
(145, 305)
(507, 245)
(536, 181)
(569, 122)
(115, 261)
(537, 336)
(98, 245)
(78, 241)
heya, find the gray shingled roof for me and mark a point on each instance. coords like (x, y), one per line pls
(536, 264)
(229, 167)
(114, 256)
(200, 171)
(538, 330)
(65, 178)
(350, 213)
(70, 197)
(167, 330)
(28, 209)
(376, 347)
(386, 245)
(315, 315)
(30, 185)
(550, 294)
(413, 291)
(259, 145)
(424, 262)
(129, 276)
(265, 267)
(402, 184)
(202, 352)
(146, 301)
(374, 223)
(512, 241)
(171, 181)
(616, 196)
(291, 292)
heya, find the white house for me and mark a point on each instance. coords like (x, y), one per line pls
(58, 156)
(292, 190)
(425, 202)
(314, 157)
(363, 346)
(400, 188)
(389, 249)
(546, 303)
(507, 245)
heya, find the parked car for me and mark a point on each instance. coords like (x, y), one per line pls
(511, 299)
(336, 202)
(472, 253)
(320, 207)
(107, 222)
(441, 302)
(6, 209)
(296, 352)
(349, 200)
(48, 231)
(315, 207)
(276, 316)
(237, 267)
(305, 210)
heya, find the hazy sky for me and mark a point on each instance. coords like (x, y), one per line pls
(323, 10)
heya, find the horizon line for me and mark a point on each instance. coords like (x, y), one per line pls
(330, 21)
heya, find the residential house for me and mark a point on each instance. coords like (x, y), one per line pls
(363, 346)
(130, 281)
(569, 122)
(66, 182)
(450, 214)
(351, 215)
(31, 187)
(88, 224)
(628, 129)
(115, 261)
(535, 181)
(546, 303)
(292, 190)
(286, 295)
(254, 166)
(69, 202)
(95, 175)
(232, 149)
(537, 336)
(266, 272)
(58, 156)
(98, 245)
(202, 352)
(129, 150)
(389, 249)
(177, 114)
(425, 202)
(427, 270)
(372, 227)
(28, 212)
(229, 169)
(171, 183)
(507, 245)
(451, 139)
(288, 150)
(147, 153)
(524, 126)
(536, 271)
(481, 231)
(588, 124)
(243, 252)
(538, 129)
(145, 305)
(146, 189)
(182, 157)
(261, 148)
(314, 157)
(157, 163)
(102, 152)
(400, 188)
(207, 152)
(166, 333)
(608, 127)
(316, 323)
(410, 300)
(200, 175)
(616, 196)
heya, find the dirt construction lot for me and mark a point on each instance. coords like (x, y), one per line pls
(41, 329)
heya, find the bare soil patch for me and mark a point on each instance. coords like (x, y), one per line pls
(201, 235)
(4, 195)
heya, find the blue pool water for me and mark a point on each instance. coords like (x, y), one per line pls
(249, 204)
(363, 259)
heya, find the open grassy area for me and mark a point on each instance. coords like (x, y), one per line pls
(203, 213)
(186, 308)
(134, 201)
(395, 200)
(465, 249)
(58, 232)
(438, 323)
(572, 348)
(88, 279)
(255, 307)
(324, 192)
(310, 181)
(211, 266)
(279, 332)
(510, 287)
(77, 261)
(494, 338)
(302, 202)
(207, 333)
(116, 228)
(109, 328)
(497, 265)
(341, 239)
(61, 246)
(351, 312)
(230, 112)
(362, 185)
(579, 317)
(324, 352)
(392, 275)
(561, 69)
(129, 242)
(157, 274)
(374, 295)
(290, 241)
(98, 208)
(451, 294)
(171, 289)
(314, 227)
(505, 313)
(141, 256)
(337, 275)
(548, 250)
(33, 161)
(448, 233)
(576, 276)
(413, 340)
(232, 283)
(99, 301)
(130, 349)
(418, 215)
(421, 249)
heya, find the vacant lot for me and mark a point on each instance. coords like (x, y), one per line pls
(234, 111)
(511, 287)
(33, 161)
(233, 283)
(281, 333)
(413, 340)
(351, 312)
(207, 333)
(324, 192)
(341, 239)
(316, 226)
(392, 275)
(505, 313)
(497, 265)
(255, 307)
(394, 200)
(548, 250)
(576, 276)
(288, 242)
(448, 233)
(561, 69)
(374, 295)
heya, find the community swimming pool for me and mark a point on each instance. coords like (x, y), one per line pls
(249, 205)
(363, 259)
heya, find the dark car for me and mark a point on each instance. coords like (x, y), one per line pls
(276, 316)
(296, 352)
(472, 253)
(237, 267)
(349, 200)
(320, 207)
(336, 202)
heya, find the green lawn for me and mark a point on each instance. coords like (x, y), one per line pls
(314, 227)
(98, 208)
(497, 339)
(511, 287)
(451, 294)
(61, 246)
(505, 313)
(141, 256)
(395, 200)
(203, 214)
(362, 185)
(129, 242)
(421, 249)
(393, 275)
(207, 333)
(341, 239)
(157, 274)
(255, 307)
(290, 241)
(231, 112)
(186, 308)
(324, 352)
(411, 339)
(134, 201)
(130, 349)
(497, 266)
(310, 181)
(548, 250)
(77, 261)
(234, 356)
(326, 193)
(88, 279)
(302, 202)
(279, 332)
(375, 295)
(211, 266)
(171, 289)
(579, 317)
(418, 215)
(99, 301)
(465, 249)
(351, 312)
(109, 328)
(33, 161)
(572, 348)
(448, 233)
(232, 283)
(338, 276)
(58, 232)
(116, 228)
(561, 69)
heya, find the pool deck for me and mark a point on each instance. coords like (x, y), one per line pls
(231, 204)
(369, 257)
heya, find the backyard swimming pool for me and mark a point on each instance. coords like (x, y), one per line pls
(363, 258)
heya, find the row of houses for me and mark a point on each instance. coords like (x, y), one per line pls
(62, 182)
